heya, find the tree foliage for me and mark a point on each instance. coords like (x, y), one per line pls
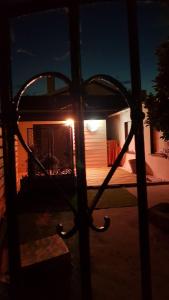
(158, 104)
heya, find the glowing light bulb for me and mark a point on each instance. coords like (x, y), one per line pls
(69, 122)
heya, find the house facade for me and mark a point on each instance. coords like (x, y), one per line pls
(42, 115)
(95, 142)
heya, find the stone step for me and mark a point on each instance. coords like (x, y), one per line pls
(46, 252)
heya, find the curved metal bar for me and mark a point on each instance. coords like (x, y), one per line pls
(15, 104)
(75, 228)
(28, 150)
(68, 234)
(34, 79)
(101, 228)
(117, 85)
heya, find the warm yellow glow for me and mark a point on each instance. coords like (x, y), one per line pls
(92, 125)
(69, 122)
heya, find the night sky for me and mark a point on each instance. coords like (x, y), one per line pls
(40, 42)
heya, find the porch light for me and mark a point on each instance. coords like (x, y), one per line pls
(69, 122)
(92, 125)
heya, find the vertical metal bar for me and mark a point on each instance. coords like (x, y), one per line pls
(84, 244)
(140, 154)
(8, 153)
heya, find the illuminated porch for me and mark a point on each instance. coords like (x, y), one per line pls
(95, 176)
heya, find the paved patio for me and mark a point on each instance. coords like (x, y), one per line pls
(115, 253)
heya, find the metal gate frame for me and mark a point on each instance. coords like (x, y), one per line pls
(8, 119)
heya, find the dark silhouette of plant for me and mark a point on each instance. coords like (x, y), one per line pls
(158, 104)
(51, 163)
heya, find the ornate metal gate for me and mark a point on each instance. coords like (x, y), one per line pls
(83, 219)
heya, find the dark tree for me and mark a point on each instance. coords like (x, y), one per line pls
(158, 104)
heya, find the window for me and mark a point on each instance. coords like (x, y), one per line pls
(158, 145)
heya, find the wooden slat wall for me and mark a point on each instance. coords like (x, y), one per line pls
(2, 186)
(17, 163)
(96, 145)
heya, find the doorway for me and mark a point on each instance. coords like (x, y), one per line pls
(53, 146)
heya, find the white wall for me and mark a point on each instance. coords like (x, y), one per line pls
(156, 165)
(124, 116)
(96, 145)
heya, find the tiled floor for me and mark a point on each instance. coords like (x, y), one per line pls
(95, 176)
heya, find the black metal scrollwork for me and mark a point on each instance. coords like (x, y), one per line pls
(68, 234)
(101, 228)
(118, 87)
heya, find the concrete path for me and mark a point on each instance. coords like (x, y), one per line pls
(155, 193)
(115, 253)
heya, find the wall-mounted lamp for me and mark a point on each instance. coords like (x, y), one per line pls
(69, 122)
(92, 125)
